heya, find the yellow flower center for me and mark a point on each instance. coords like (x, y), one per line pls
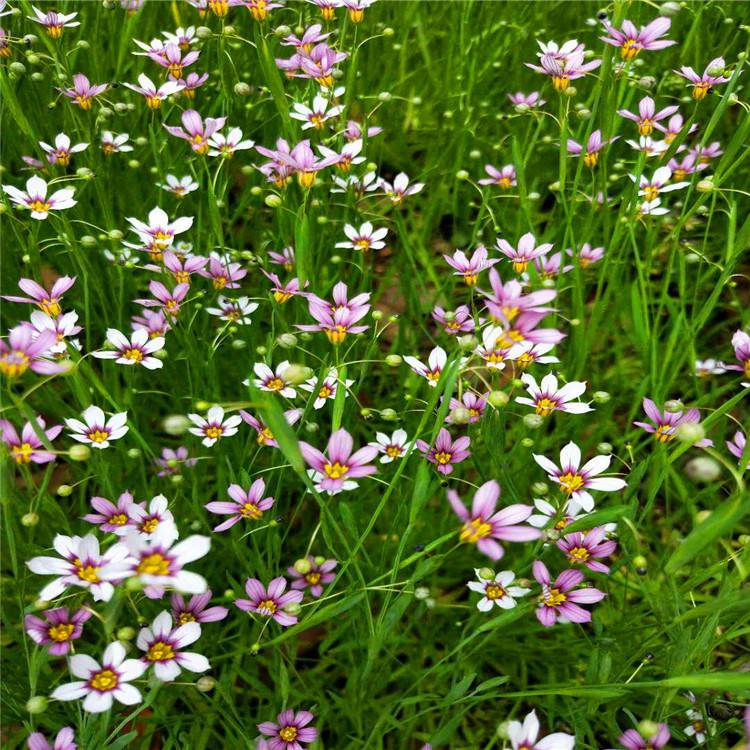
(175, 70)
(442, 457)
(650, 192)
(554, 598)
(149, 526)
(306, 179)
(251, 510)
(160, 651)
(185, 617)
(579, 554)
(288, 734)
(84, 102)
(336, 470)
(153, 102)
(325, 392)
(39, 206)
(21, 453)
(267, 607)
(475, 530)
(336, 335)
(119, 520)
(700, 90)
(219, 7)
(265, 436)
(154, 564)
(571, 482)
(591, 158)
(62, 632)
(104, 681)
(470, 278)
(545, 406)
(220, 282)
(88, 573)
(560, 83)
(97, 436)
(519, 266)
(394, 451)
(629, 49)
(646, 126)
(275, 384)
(135, 354)
(663, 434)
(55, 31)
(356, 14)
(313, 578)
(214, 432)
(494, 591)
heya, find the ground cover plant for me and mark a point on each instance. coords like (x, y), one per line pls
(375, 375)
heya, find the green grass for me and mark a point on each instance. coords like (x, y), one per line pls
(380, 667)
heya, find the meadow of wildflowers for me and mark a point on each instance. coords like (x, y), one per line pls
(375, 375)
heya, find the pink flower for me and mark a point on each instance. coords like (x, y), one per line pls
(666, 424)
(470, 268)
(320, 573)
(290, 730)
(594, 145)
(83, 92)
(224, 275)
(559, 601)
(712, 76)
(195, 610)
(454, 321)
(57, 630)
(526, 251)
(47, 301)
(632, 40)
(504, 178)
(28, 447)
(270, 602)
(483, 526)
(647, 117)
(445, 452)
(65, 739)
(23, 351)
(115, 519)
(265, 436)
(248, 504)
(581, 549)
(195, 131)
(335, 472)
(400, 188)
(736, 446)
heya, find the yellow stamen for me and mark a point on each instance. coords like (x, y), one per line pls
(475, 530)
(154, 564)
(104, 681)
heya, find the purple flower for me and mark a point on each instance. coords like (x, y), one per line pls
(593, 147)
(28, 447)
(223, 275)
(171, 57)
(632, 40)
(24, 351)
(647, 117)
(36, 200)
(504, 178)
(248, 504)
(47, 301)
(564, 68)
(320, 573)
(548, 397)
(712, 75)
(153, 94)
(524, 736)
(581, 549)
(526, 251)
(527, 100)
(445, 452)
(290, 730)
(741, 345)
(400, 188)
(195, 610)
(338, 319)
(195, 131)
(57, 629)
(633, 740)
(559, 601)
(168, 300)
(454, 322)
(54, 23)
(483, 526)
(270, 602)
(303, 162)
(115, 519)
(83, 92)
(470, 268)
(474, 403)
(335, 471)
(65, 739)
(665, 425)
(265, 436)
(171, 461)
(736, 446)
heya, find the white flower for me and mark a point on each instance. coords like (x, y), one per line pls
(273, 382)
(435, 364)
(549, 398)
(497, 590)
(328, 388)
(114, 144)
(136, 350)
(179, 187)
(213, 426)
(226, 145)
(315, 116)
(237, 311)
(96, 429)
(391, 447)
(163, 645)
(523, 736)
(365, 238)
(36, 200)
(159, 562)
(103, 683)
(81, 564)
(147, 521)
(575, 481)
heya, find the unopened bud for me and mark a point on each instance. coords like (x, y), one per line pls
(498, 399)
(287, 341)
(273, 200)
(393, 360)
(79, 453)
(703, 469)
(296, 374)
(539, 488)
(673, 406)
(37, 705)
(460, 415)
(126, 634)
(690, 432)
(486, 574)
(303, 566)
(601, 397)
(421, 593)
(533, 421)
(389, 415)
(29, 519)
(175, 424)
(64, 490)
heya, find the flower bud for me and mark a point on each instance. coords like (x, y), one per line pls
(115, 234)
(283, 30)
(126, 633)
(486, 574)
(462, 174)
(64, 490)
(393, 360)
(376, 315)
(79, 452)
(703, 469)
(29, 519)
(673, 406)
(242, 89)
(640, 563)
(261, 351)
(88, 241)
(389, 415)
(571, 91)
(527, 442)
(498, 399)
(175, 424)
(385, 96)
(503, 729)
(705, 186)
(37, 705)
(601, 397)
(205, 683)
(296, 373)
(539, 488)
(460, 415)
(255, 648)
(648, 729)
(690, 432)
(533, 421)
(669, 8)
(16, 69)
(293, 608)
(239, 344)
(421, 593)
(468, 342)
(286, 341)
(273, 200)
(604, 448)
(303, 566)
(203, 32)
(366, 413)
